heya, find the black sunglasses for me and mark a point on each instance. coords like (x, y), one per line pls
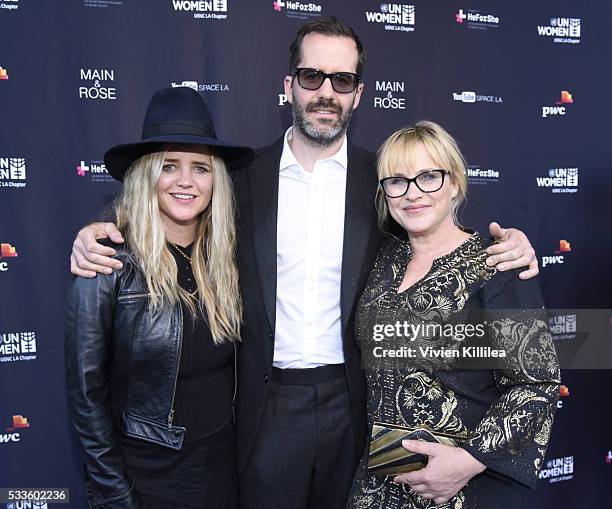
(312, 79)
(429, 181)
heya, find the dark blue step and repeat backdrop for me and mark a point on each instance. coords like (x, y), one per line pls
(524, 86)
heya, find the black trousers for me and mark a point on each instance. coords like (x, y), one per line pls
(304, 455)
(202, 475)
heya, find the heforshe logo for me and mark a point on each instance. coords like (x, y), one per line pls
(460, 16)
(297, 7)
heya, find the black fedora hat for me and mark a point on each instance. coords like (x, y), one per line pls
(176, 115)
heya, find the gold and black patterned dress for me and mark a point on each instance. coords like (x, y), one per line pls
(505, 412)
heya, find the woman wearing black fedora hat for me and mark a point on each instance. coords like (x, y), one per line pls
(151, 348)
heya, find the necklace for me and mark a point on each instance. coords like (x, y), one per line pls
(188, 258)
(181, 252)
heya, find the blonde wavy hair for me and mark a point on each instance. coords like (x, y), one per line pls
(213, 255)
(399, 149)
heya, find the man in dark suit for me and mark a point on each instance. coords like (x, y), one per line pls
(307, 241)
(308, 238)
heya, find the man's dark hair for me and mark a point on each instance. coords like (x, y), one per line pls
(328, 25)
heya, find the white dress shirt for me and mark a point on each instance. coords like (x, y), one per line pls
(310, 232)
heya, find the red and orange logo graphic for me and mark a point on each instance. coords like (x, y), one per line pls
(566, 98)
(19, 422)
(7, 251)
(564, 247)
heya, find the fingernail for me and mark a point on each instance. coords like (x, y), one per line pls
(406, 443)
(119, 265)
(108, 271)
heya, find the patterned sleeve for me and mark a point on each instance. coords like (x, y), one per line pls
(511, 438)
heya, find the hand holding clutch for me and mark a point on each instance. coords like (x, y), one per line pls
(448, 470)
(387, 455)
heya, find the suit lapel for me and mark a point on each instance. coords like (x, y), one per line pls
(359, 223)
(263, 185)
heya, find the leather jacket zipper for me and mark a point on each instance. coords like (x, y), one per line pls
(178, 364)
(127, 296)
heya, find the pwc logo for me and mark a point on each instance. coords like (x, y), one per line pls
(559, 257)
(6, 251)
(563, 393)
(560, 106)
(12, 435)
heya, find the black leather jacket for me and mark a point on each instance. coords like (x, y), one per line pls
(122, 365)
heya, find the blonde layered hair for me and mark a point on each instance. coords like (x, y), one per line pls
(213, 254)
(399, 149)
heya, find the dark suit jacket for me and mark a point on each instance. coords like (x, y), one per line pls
(256, 185)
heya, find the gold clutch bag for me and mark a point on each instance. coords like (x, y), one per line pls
(387, 455)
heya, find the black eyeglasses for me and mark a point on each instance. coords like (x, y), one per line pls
(312, 79)
(429, 181)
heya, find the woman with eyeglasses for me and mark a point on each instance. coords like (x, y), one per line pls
(477, 422)
(151, 348)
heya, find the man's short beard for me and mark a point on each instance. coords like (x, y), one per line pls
(320, 135)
